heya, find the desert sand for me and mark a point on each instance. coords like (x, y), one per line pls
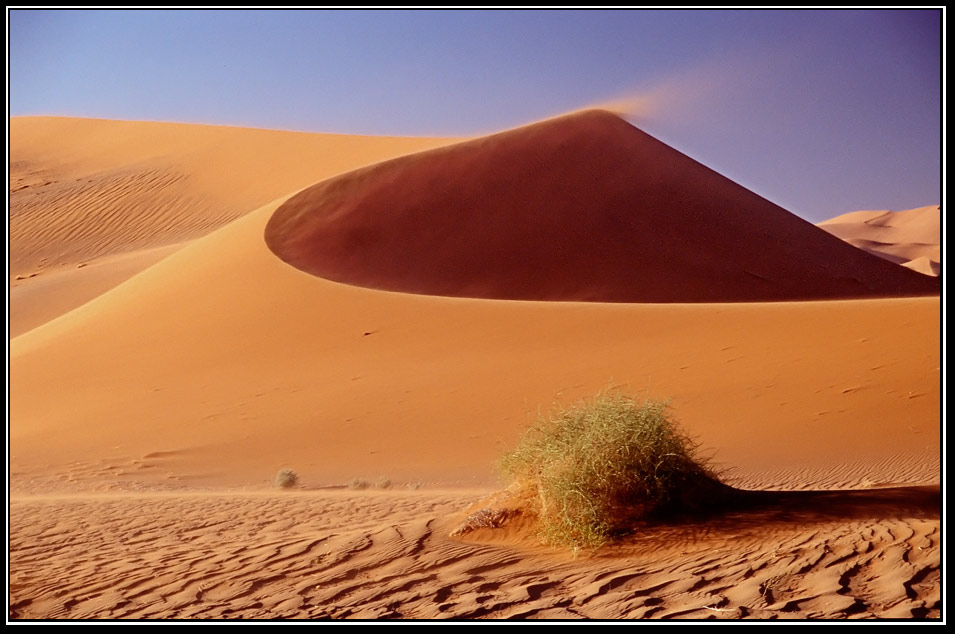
(195, 307)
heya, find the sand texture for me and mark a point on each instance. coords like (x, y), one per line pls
(194, 308)
(387, 555)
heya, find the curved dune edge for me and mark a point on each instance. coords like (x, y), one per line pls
(81, 189)
(583, 207)
(93, 201)
(925, 265)
(911, 238)
(51, 294)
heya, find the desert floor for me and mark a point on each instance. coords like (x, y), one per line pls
(187, 317)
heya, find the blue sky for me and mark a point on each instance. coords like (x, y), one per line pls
(822, 112)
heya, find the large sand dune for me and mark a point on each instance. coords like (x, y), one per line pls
(582, 207)
(146, 425)
(84, 188)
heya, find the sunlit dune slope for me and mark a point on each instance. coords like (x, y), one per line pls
(581, 207)
(912, 238)
(85, 188)
(221, 364)
(93, 202)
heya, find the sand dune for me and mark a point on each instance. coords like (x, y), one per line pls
(146, 426)
(90, 191)
(911, 238)
(84, 188)
(301, 357)
(581, 207)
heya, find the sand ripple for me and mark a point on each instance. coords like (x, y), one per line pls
(381, 555)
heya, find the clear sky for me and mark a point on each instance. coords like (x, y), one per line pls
(821, 112)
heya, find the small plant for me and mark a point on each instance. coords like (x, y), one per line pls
(383, 483)
(286, 479)
(595, 468)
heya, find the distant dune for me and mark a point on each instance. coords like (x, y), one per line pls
(911, 238)
(116, 196)
(583, 207)
(172, 359)
(84, 188)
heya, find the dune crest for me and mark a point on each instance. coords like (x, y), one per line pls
(583, 207)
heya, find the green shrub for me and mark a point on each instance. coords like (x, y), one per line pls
(596, 467)
(286, 479)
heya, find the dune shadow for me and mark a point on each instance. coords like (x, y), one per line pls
(749, 518)
(904, 501)
(747, 512)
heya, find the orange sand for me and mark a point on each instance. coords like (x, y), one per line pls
(146, 425)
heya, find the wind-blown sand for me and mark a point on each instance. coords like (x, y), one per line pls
(146, 424)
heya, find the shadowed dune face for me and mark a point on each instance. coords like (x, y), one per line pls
(583, 208)
(912, 238)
